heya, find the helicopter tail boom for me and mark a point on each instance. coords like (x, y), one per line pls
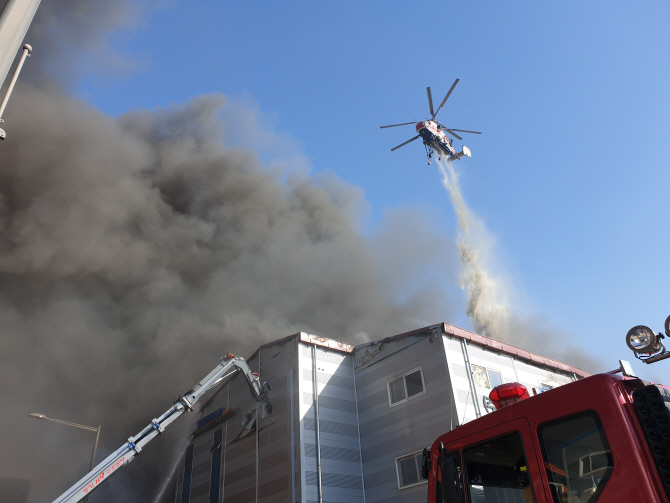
(464, 152)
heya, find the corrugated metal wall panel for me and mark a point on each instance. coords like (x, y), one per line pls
(511, 369)
(460, 381)
(406, 443)
(388, 432)
(337, 441)
(412, 495)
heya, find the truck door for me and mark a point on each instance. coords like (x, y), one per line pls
(497, 465)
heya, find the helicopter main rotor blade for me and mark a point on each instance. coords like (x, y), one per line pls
(394, 125)
(403, 144)
(430, 101)
(452, 133)
(465, 131)
(446, 97)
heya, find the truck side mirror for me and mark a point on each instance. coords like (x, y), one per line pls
(449, 481)
(425, 464)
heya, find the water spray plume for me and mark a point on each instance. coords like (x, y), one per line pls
(487, 303)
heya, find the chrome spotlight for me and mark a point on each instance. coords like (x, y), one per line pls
(646, 345)
(643, 340)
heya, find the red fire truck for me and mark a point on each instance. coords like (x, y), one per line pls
(602, 439)
(605, 438)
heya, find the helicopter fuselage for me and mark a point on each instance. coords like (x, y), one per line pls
(435, 139)
(433, 133)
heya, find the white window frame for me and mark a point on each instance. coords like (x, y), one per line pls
(397, 470)
(488, 377)
(550, 383)
(502, 379)
(402, 376)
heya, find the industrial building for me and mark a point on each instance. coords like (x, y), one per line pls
(348, 423)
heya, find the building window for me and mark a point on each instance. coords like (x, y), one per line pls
(486, 378)
(188, 468)
(406, 386)
(215, 475)
(546, 386)
(409, 470)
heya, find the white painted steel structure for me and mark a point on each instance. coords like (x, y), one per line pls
(15, 20)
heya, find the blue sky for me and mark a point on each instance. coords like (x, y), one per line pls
(569, 176)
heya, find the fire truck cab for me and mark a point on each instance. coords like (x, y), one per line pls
(602, 439)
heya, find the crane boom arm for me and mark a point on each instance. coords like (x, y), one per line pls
(228, 365)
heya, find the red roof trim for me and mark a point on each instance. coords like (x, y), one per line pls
(447, 329)
(511, 350)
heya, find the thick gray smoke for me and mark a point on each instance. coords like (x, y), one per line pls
(70, 37)
(136, 251)
(490, 294)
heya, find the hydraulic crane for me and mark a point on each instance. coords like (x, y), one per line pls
(228, 365)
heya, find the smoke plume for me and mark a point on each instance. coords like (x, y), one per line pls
(136, 251)
(490, 295)
(487, 303)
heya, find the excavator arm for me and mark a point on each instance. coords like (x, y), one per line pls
(228, 365)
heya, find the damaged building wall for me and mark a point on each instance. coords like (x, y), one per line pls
(242, 455)
(348, 423)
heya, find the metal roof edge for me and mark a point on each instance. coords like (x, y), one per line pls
(309, 339)
(446, 329)
(325, 342)
(481, 340)
(272, 343)
(418, 331)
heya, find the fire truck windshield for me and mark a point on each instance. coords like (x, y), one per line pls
(496, 471)
(576, 457)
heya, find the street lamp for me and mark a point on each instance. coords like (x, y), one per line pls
(83, 427)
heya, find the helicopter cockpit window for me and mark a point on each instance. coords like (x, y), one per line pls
(496, 471)
(576, 456)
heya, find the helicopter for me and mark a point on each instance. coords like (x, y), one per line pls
(433, 133)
